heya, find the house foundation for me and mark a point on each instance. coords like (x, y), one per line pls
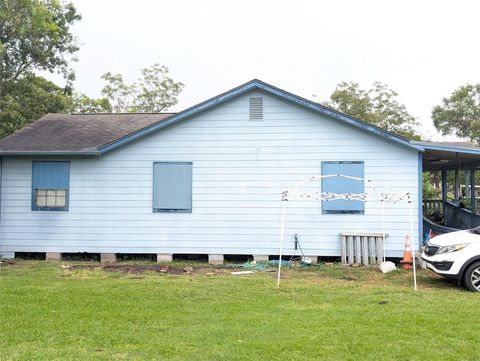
(260, 258)
(53, 256)
(164, 257)
(108, 257)
(215, 259)
(313, 258)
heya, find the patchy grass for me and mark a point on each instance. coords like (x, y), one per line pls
(50, 312)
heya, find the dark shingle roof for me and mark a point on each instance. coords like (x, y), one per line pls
(77, 132)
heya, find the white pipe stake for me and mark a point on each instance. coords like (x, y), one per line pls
(413, 248)
(383, 231)
(282, 233)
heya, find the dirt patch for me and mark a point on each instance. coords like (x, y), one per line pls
(139, 268)
(7, 262)
(348, 278)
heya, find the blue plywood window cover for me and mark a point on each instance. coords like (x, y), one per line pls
(172, 187)
(343, 185)
(50, 175)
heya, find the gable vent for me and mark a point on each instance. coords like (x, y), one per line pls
(256, 108)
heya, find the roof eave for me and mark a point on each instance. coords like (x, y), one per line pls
(89, 153)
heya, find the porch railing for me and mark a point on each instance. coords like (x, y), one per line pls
(434, 228)
(460, 218)
(432, 205)
(455, 217)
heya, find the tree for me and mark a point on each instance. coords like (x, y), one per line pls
(84, 104)
(154, 92)
(118, 93)
(27, 99)
(429, 190)
(460, 113)
(377, 106)
(157, 91)
(34, 36)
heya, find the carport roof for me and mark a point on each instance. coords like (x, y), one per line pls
(446, 155)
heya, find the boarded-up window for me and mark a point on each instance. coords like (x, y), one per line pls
(50, 186)
(172, 187)
(342, 185)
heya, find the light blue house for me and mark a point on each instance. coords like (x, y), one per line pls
(207, 180)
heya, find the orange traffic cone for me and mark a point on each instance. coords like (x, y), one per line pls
(407, 262)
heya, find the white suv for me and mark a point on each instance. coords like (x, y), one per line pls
(456, 256)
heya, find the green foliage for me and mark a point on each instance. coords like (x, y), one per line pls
(157, 91)
(460, 113)
(84, 104)
(377, 106)
(154, 92)
(28, 99)
(121, 95)
(328, 313)
(429, 190)
(35, 35)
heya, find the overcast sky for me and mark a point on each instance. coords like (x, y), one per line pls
(422, 49)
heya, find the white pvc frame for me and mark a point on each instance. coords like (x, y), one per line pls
(387, 195)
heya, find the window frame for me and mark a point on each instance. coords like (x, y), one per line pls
(332, 211)
(34, 206)
(46, 196)
(172, 210)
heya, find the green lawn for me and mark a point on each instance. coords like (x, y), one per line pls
(326, 313)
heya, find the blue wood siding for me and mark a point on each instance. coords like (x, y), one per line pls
(240, 169)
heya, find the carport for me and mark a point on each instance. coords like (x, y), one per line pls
(458, 162)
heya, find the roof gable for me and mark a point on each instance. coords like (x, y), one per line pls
(256, 84)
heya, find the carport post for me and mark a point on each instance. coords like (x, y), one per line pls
(444, 191)
(457, 186)
(472, 191)
(467, 183)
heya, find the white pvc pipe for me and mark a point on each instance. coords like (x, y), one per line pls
(383, 232)
(282, 234)
(321, 177)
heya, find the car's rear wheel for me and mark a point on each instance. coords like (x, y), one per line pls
(471, 278)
